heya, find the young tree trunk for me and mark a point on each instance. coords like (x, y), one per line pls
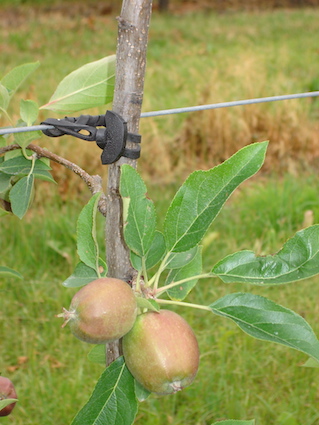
(133, 24)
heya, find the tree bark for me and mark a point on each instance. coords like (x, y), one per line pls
(133, 24)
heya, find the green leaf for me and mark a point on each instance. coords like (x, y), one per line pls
(263, 319)
(7, 272)
(89, 86)
(98, 354)
(44, 175)
(113, 400)
(298, 259)
(141, 393)
(4, 403)
(14, 78)
(5, 182)
(153, 255)
(4, 98)
(176, 260)
(84, 274)
(29, 111)
(147, 303)
(24, 139)
(203, 194)
(19, 165)
(235, 422)
(311, 363)
(2, 211)
(87, 245)
(140, 224)
(192, 268)
(20, 195)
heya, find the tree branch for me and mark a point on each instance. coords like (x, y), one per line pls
(94, 183)
(132, 40)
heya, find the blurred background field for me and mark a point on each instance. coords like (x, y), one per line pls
(196, 55)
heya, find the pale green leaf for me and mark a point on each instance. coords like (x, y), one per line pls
(140, 224)
(24, 139)
(89, 86)
(87, 245)
(19, 165)
(4, 403)
(84, 274)
(141, 393)
(153, 255)
(298, 259)
(311, 362)
(190, 269)
(176, 260)
(263, 319)
(98, 354)
(7, 272)
(147, 303)
(3, 212)
(3, 142)
(203, 194)
(29, 111)
(44, 175)
(20, 195)
(4, 98)
(14, 78)
(113, 401)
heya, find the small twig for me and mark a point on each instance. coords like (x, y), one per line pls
(94, 183)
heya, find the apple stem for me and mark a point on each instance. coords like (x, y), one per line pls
(183, 304)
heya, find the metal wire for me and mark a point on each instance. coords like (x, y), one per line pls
(10, 130)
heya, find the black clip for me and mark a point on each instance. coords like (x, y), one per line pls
(109, 131)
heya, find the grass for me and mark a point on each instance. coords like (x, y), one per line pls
(192, 59)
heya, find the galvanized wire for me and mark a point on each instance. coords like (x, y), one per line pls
(11, 130)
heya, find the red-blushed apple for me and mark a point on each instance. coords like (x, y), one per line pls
(161, 352)
(102, 311)
(7, 390)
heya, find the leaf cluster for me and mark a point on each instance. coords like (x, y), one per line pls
(168, 263)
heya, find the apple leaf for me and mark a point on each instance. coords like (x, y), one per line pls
(147, 303)
(87, 245)
(97, 354)
(29, 110)
(25, 138)
(153, 255)
(4, 97)
(20, 195)
(14, 78)
(192, 268)
(201, 197)
(83, 274)
(141, 393)
(4, 403)
(113, 401)
(5, 181)
(263, 319)
(140, 220)
(87, 87)
(176, 260)
(19, 165)
(298, 259)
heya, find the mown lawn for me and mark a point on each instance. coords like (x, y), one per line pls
(193, 58)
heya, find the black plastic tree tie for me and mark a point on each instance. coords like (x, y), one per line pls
(109, 131)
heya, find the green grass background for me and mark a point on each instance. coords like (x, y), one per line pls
(192, 58)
